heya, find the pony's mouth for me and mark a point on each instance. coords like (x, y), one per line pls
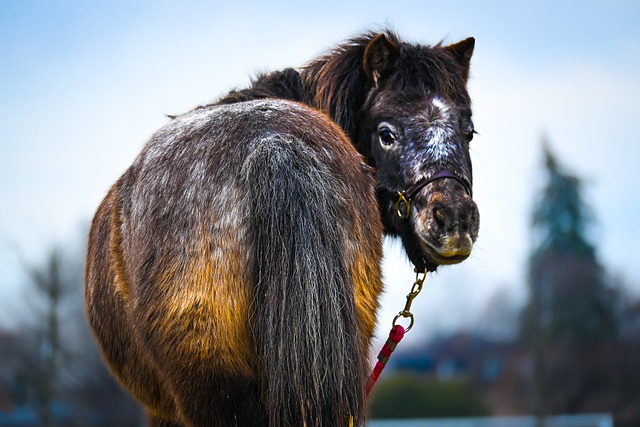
(446, 254)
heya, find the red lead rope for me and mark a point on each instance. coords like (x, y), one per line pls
(395, 336)
(397, 332)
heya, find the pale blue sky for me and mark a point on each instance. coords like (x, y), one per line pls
(84, 84)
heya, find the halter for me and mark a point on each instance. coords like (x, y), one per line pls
(403, 204)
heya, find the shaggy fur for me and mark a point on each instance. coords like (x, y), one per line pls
(233, 271)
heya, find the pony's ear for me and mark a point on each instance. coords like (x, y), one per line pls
(462, 51)
(380, 57)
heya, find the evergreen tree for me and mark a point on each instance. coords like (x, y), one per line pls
(570, 315)
(560, 218)
(570, 300)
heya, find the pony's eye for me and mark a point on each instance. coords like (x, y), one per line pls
(386, 135)
(469, 135)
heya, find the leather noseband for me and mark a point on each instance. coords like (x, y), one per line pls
(403, 204)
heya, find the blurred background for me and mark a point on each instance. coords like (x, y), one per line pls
(544, 318)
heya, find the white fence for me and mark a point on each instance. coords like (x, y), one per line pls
(582, 420)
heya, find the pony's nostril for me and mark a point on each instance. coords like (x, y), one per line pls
(465, 225)
(439, 217)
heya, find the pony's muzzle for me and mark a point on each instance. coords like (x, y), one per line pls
(449, 224)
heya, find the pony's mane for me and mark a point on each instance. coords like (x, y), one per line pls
(283, 84)
(426, 69)
(337, 81)
(337, 84)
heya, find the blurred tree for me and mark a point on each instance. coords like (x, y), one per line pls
(571, 312)
(561, 219)
(52, 364)
(53, 289)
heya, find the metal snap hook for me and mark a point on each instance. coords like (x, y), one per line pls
(415, 290)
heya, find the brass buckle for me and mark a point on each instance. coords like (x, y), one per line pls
(403, 205)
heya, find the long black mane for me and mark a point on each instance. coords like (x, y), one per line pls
(338, 85)
(335, 83)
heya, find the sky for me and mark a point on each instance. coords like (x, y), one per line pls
(84, 84)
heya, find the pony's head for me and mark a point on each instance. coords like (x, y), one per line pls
(415, 128)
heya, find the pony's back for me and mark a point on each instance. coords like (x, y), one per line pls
(233, 270)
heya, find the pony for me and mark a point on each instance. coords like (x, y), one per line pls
(233, 270)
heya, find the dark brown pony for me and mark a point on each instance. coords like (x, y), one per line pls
(233, 271)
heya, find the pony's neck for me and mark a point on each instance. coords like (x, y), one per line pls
(335, 84)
